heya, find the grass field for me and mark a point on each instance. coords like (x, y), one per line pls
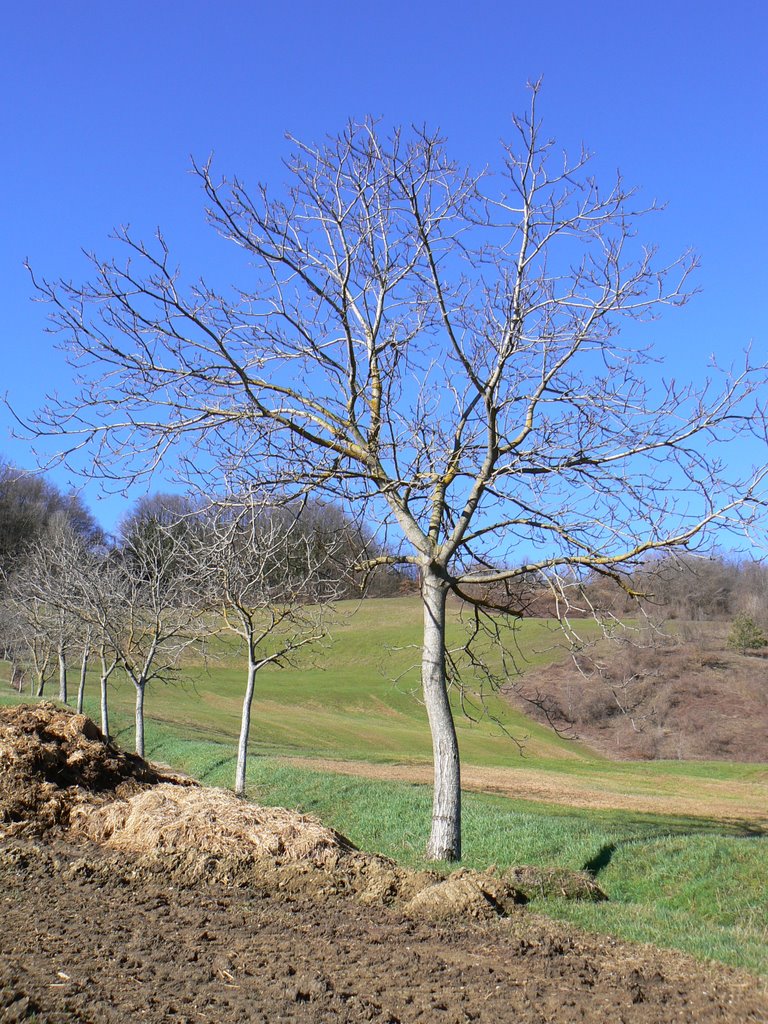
(680, 847)
(355, 698)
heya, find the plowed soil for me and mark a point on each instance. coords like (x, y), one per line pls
(148, 929)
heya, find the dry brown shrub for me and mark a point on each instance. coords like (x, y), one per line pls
(688, 698)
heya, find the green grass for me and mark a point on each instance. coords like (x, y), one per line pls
(691, 883)
(355, 699)
(358, 700)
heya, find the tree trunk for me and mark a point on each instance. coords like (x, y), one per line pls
(140, 687)
(245, 727)
(40, 685)
(17, 677)
(62, 674)
(445, 837)
(81, 685)
(104, 708)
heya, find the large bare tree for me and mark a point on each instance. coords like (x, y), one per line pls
(444, 348)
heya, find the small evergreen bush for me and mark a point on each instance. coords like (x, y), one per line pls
(746, 635)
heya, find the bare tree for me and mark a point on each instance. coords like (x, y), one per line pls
(101, 588)
(150, 620)
(267, 578)
(27, 621)
(41, 590)
(84, 647)
(440, 347)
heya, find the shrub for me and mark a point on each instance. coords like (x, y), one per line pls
(746, 635)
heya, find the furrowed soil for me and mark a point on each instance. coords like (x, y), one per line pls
(152, 899)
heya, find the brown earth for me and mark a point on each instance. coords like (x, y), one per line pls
(193, 906)
(685, 696)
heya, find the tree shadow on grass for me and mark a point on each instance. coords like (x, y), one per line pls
(729, 830)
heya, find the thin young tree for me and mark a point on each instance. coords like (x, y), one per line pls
(152, 616)
(42, 591)
(84, 649)
(442, 348)
(102, 585)
(27, 622)
(266, 577)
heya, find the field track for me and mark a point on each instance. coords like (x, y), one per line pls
(726, 800)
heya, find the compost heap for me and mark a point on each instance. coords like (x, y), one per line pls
(59, 776)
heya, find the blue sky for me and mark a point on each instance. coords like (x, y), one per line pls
(103, 104)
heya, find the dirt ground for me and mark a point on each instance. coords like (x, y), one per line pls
(193, 907)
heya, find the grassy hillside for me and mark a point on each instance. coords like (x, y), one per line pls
(357, 697)
(357, 700)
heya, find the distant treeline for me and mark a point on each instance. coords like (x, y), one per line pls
(31, 506)
(682, 586)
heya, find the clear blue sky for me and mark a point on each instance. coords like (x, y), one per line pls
(102, 105)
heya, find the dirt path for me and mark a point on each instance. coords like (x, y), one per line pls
(97, 938)
(728, 800)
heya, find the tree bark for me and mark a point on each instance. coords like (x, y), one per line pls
(445, 837)
(140, 687)
(40, 686)
(245, 726)
(62, 675)
(17, 677)
(104, 708)
(81, 685)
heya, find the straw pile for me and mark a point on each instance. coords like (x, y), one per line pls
(52, 760)
(57, 772)
(204, 824)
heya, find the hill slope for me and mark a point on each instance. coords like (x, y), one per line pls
(684, 698)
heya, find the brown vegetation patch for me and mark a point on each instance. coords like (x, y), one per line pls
(535, 882)
(209, 823)
(201, 834)
(455, 897)
(687, 697)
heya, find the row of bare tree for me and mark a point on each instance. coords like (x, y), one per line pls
(180, 575)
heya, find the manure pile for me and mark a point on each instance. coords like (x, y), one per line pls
(53, 760)
(59, 776)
